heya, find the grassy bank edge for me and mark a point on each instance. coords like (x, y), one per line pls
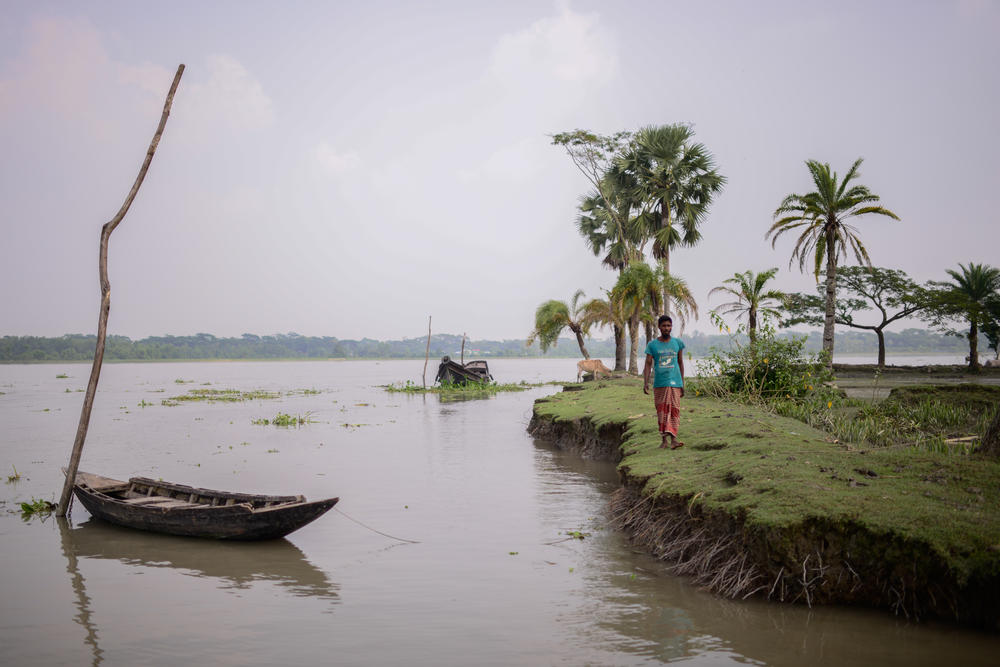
(902, 528)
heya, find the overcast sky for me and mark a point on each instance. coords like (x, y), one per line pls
(348, 169)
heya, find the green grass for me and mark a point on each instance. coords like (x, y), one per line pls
(948, 419)
(773, 472)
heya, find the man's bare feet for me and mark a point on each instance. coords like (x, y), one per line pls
(677, 444)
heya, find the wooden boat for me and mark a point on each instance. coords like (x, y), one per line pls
(177, 509)
(456, 373)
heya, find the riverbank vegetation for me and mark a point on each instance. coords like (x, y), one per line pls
(760, 503)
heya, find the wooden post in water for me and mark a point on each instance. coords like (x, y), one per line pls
(463, 348)
(427, 352)
(102, 323)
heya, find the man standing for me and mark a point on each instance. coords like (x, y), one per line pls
(666, 355)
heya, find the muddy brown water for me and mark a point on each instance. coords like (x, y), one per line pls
(493, 579)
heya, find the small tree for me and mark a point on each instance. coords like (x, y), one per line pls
(890, 292)
(751, 298)
(967, 297)
(552, 317)
(991, 325)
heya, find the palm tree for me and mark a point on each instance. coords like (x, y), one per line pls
(822, 216)
(676, 180)
(552, 317)
(751, 298)
(639, 296)
(679, 301)
(607, 225)
(971, 292)
(631, 297)
(606, 312)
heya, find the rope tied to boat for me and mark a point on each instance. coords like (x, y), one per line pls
(391, 537)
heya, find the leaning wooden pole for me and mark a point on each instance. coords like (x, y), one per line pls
(102, 322)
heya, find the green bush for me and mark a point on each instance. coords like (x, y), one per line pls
(764, 369)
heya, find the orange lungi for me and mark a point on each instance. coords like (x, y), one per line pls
(668, 408)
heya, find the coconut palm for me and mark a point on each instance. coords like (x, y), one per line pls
(752, 299)
(971, 293)
(676, 180)
(820, 217)
(631, 297)
(639, 294)
(552, 317)
(680, 302)
(606, 312)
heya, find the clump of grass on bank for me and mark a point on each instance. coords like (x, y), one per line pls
(475, 389)
(947, 419)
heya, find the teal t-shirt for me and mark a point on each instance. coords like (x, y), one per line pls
(665, 370)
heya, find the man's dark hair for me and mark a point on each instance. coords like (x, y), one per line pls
(664, 318)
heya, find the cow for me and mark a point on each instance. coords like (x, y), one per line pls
(595, 366)
(992, 363)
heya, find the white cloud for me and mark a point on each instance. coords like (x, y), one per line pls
(568, 48)
(59, 68)
(231, 96)
(336, 162)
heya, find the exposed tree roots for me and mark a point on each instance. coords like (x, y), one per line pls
(712, 557)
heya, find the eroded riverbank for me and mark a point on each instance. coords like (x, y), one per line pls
(761, 505)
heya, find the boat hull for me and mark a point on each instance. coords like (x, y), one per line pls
(236, 517)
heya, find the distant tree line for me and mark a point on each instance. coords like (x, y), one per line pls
(79, 347)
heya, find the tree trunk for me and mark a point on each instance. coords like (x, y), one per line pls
(102, 319)
(633, 354)
(579, 340)
(831, 294)
(752, 318)
(881, 347)
(620, 352)
(665, 260)
(974, 347)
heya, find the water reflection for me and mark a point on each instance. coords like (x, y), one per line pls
(237, 565)
(82, 601)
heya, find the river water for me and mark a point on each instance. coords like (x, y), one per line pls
(493, 578)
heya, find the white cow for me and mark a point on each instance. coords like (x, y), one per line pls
(992, 363)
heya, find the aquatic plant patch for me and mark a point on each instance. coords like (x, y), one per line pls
(225, 395)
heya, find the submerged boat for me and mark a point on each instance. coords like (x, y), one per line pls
(177, 509)
(452, 372)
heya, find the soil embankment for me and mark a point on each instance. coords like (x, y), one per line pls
(761, 505)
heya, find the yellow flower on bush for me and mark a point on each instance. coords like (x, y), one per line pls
(829, 404)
